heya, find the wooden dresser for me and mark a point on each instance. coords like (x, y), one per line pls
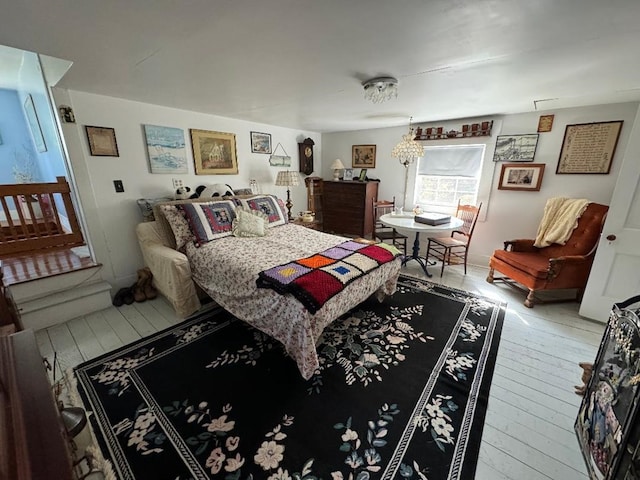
(347, 207)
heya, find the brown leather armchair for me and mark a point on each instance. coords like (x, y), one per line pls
(554, 267)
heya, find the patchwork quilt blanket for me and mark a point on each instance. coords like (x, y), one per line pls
(315, 279)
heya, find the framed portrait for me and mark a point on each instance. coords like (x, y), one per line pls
(363, 175)
(166, 149)
(102, 141)
(214, 153)
(515, 176)
(515, 148)
(348, 174)
(589, 147)
(260, 142)
(545, 123)
(34, 124)
(363, 156)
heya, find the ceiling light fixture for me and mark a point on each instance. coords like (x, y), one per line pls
(380, 89)
(408, 150)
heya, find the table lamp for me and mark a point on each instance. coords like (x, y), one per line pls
(288, 179)
(336, 166)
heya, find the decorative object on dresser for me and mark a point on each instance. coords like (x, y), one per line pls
(380, 89)
(348, 207)
(336, 166)
(454, 248)
(288, 179)
(214, 153)
(363, 175)
(347, 174)
(515, 148)
(305, 149)
(363, 156)
(482, 129)
(314, 198)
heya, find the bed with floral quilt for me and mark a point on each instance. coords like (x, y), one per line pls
(286, 280)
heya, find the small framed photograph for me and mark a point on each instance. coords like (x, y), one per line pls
(515, 176)
(545, 123)
(348, 174)
(102, 141)
(363, 156)
(363, 175)
(214, 153)
(515, 148)
(260, 142)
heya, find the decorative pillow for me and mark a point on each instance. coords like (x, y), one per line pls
(209, 220)
(250, 223)
(146, 207)
(269, 205)
(179, 225)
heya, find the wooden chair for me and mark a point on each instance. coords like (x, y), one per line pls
(454, 248)
(382, 232)
(555, 267)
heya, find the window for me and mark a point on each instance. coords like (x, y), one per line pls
(449, 174)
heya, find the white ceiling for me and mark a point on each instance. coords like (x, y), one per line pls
(300, 63)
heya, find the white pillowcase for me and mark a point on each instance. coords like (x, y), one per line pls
(249, 223)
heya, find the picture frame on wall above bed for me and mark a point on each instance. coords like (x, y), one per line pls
(260, 142)
(214, 153)
(516, 176)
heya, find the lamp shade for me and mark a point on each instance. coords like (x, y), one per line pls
(287, 179)
(337, 164)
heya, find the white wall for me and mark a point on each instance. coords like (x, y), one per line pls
(509, 214)
(111, 217)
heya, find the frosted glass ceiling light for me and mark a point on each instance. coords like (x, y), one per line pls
(380, 89)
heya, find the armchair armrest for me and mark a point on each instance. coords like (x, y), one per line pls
(556, 264)
(171, 272)
(520, 245)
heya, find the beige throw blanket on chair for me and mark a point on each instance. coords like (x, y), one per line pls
(559, 220)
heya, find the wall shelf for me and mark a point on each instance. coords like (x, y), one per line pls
(482, 129)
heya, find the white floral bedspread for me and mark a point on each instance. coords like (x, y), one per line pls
(227, 269)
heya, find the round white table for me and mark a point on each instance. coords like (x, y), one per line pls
(406, 222)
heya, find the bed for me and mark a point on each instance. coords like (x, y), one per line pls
(228, 266)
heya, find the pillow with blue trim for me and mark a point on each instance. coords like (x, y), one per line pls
(209, 220)
(270, 205)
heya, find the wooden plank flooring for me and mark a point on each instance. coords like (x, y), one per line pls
(529, 426)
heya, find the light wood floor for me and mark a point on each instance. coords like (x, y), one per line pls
(528, 433)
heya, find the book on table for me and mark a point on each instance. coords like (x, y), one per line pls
(433, 218)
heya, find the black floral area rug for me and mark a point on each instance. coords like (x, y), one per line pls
(401, 393)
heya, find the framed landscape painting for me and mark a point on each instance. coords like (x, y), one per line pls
(214, 153)
(260, 142)
(166, 149)
(515, 148)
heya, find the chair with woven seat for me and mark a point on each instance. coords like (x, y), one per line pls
(382, 232)
(454, 248)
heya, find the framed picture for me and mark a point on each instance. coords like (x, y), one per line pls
(214, 153)
(166, 149)
(102, 141)
(348, 174)
(515, 148)
(545, 123)
(515, 176)
(260, 142)
(363, 156)
(34, 124)
(589, 147)
(363, 175)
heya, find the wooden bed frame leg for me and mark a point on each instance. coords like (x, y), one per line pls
(490, 276)
(530, 300)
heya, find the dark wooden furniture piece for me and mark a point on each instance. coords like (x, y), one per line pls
(348, 207)
(455, 248)
(33, 442)
(553, 267)
(381, 231)
(314, 198)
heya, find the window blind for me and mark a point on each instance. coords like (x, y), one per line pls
(453, 161)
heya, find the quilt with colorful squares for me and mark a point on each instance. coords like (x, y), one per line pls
(315, 279)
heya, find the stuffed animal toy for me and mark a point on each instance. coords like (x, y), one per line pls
(182, 193)
(215, 190)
